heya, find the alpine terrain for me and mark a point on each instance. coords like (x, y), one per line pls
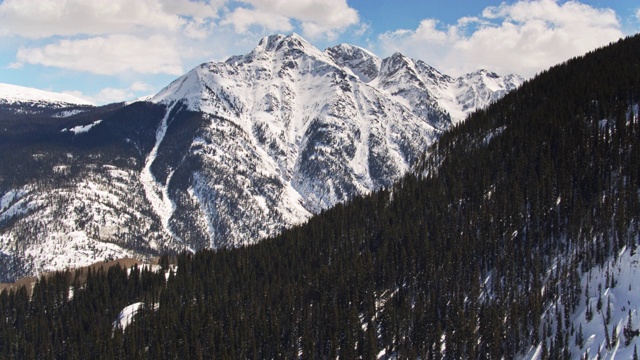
(226, 155)
(515, 235)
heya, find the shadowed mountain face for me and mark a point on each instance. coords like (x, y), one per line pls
(226, 155)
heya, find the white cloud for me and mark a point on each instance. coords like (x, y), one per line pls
(113, 95)
(638, 14)
(524, 37)
(198, 29)
(109, 36)
(108, 55)
(363, 29)
(317, 18)
(42, 19)
(242, 19)
(196, 9)
(139, 86)
(427, 31)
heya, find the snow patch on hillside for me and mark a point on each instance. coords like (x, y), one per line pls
(13, 203)
(82, 128)
(126, 316)
(68, 113)
(144, 98)
(71, 250)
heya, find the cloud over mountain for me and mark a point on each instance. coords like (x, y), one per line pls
(522, 37)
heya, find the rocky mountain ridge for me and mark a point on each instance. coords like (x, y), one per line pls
(229, 153)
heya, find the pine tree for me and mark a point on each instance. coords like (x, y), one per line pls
(628, 331)
(599, 303)
(580, 337)
(606, 333)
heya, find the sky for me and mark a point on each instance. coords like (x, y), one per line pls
(115, 50)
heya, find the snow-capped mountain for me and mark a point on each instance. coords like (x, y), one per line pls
(315, 127)
(19, 100)
(235, 151)
(13, 94)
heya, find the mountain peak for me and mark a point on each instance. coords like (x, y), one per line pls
(397, 61)
(363, 63)
(274, 43)
(509, 82)
(348, 49)
(278, 45)
(398, 56)
(483, 72)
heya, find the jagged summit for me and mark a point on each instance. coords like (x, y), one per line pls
(442, 99)
(279, 47)
(363, 63)
(278, 42)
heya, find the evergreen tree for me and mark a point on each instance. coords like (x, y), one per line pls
(580, 337)
(628, 331)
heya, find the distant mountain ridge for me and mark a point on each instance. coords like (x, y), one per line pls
(228, 154)
(12, 94)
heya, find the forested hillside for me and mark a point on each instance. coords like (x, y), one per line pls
(460, 259)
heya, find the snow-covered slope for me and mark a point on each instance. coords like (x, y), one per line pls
(12, 94)
(606, 321)
(95, 217)
(247, 147)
